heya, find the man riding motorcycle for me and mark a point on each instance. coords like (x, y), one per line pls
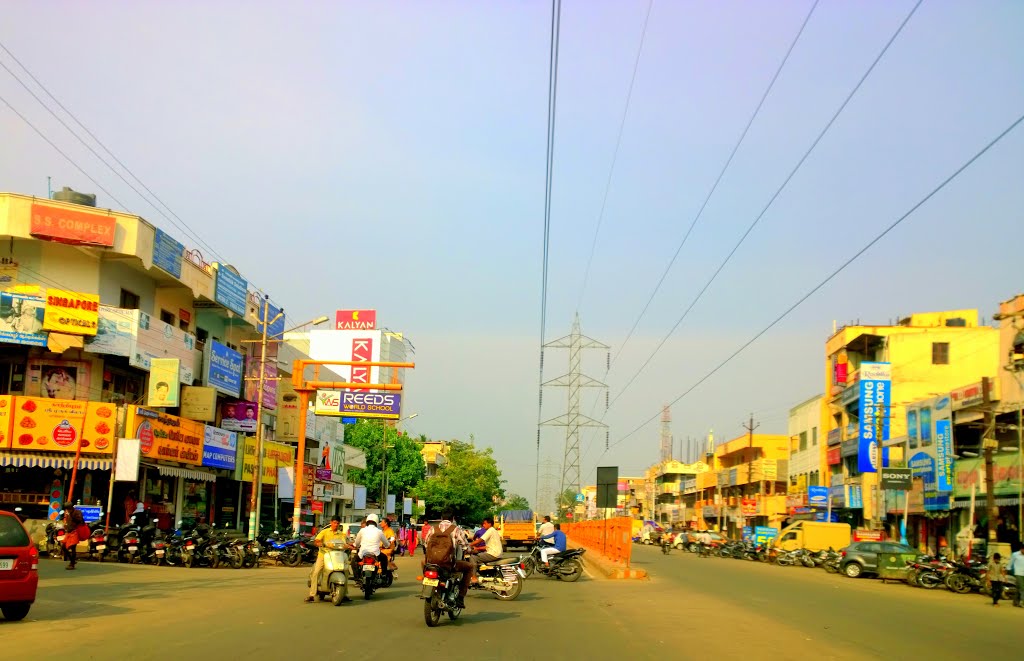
(488, 546)
(447, 527)
(323, 540)
(557, 538)
(370, 540)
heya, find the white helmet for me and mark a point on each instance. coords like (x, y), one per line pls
(371, 517)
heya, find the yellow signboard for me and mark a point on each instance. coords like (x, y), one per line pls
(275, 455)
(71, 312)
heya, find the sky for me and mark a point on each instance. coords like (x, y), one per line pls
(391, 155)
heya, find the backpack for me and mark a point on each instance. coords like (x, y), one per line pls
(441, 546)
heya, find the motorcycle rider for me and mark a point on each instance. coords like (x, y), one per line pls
(446, 526)
(559, 545)
(371, 540)
(546, 528)
(323, 540)
(392, 537)
(490, 545)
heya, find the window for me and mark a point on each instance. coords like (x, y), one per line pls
(803, 441)
(183, 325)
(167, 317)
(814, 436)
(129, 301)
(940, 353)
(201, 336)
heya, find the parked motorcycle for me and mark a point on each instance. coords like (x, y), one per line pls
(565, 566)
(97, 543)
(131, 543)
(55, 539)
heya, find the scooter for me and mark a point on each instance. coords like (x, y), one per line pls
(333, 582)
(97, 542)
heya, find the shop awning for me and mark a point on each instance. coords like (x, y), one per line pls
(187, 473)
(979, 503)
(53, 460)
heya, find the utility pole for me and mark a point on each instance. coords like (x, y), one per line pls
(750, 427)
(988, 442)
(573, 419)
(256, 498)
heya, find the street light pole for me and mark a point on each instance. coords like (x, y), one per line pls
(256, 499)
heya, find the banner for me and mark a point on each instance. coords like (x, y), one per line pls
(896, 479)
(943, 445)
(21, 320)
(224, 367)
(114, 332)
(60, 425)
(220, 448)
(163, 382)
(238, 416)
(875, 386)
(71, 312)
(165, 436)
(126, 466)
(199, 403)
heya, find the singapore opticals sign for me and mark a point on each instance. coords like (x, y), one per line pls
(358, 404)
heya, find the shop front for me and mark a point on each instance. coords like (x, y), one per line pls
(970, 483)
(273, 515)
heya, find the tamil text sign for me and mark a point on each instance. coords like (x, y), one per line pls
(167, 437)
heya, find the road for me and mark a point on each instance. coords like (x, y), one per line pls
(691, 608)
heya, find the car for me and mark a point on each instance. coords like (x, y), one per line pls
(19, 568)
(690, 539)
(860, 558)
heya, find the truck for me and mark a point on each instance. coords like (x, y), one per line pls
(814, 536)
(517, 528)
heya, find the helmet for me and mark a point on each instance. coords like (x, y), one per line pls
(371, 517)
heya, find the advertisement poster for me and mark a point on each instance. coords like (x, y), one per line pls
(348, 345)
(166, 436)
(59, 381)
(167, 253)
(163, 382)
(60, 425)
(943, 418)
(71, 312)
(21, 320)
(114, 332)
(875, 397)
(275, 456)
(224, 369)
(199, 403)
(239, 416)
(219, 448)
(155, 339)
(252, 375)
(387, 405)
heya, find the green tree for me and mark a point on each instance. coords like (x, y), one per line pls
(566, 502)
(516, 502)
(405, 468)
(468, 483)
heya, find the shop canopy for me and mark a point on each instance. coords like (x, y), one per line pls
(187, 473)
(53, 460)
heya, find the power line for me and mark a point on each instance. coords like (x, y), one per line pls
(834, 273)
(718, 179)
(615, 153)
(556, 27)
(771, 201)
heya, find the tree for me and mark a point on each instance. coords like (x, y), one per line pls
(468, 484)
(516, 502)
(405, 468)
(566, 503)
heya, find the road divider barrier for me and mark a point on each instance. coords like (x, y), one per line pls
(610, 545)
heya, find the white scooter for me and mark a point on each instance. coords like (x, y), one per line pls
(333, 581)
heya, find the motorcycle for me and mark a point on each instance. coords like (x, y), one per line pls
(333, 581)
(440, 594)
(369, 575)
(55, 539)
(666, 544)
(97, 543)
(503, 578)
(131, 541)
(566, 566)
(967, 577)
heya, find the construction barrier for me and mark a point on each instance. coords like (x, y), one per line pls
(612, 539)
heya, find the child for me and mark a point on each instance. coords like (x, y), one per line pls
(996, 577)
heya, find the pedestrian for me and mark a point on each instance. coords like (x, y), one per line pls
(74, 522)
(1017, 571)
(412, 540)
(996, 577)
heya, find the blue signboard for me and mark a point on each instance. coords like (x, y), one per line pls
(345, 420)
(875, 397)
(231, 290)
(838, 495)
(90, 514)
(167, 253)
(747, 532)
(821, 516)
(276, 327)
(764, 534)
(224, 369)
(21, 320)
(855, 499)
(817, 496)
(219, 448)
(943, 446)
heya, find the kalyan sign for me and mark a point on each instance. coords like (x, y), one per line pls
(355, 320)
(362, 351)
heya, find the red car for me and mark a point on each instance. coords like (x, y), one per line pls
(19, 568)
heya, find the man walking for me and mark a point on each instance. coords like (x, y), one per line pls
(1016, 570)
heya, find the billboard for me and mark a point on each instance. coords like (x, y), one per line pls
(875, 397)
(231, 290)
(239, 416)
(163, 382)
(355, 320)
(224, 368)
(114, 332)
(21, 320)
(930, 445)
(167, 253)
(349, 345)
(71, 312)
(358, 404)
(153, 338)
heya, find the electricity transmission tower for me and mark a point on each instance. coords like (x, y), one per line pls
(573, 419)
(546, 498)
(666, 434)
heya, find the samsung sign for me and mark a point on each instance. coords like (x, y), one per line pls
(875, 396)
(358, 404)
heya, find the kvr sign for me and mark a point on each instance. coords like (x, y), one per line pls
(358, 404)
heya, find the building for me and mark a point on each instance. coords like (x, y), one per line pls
(807, 457)
(675, 491)
(752, 481)
(435, 456)
(929, 354)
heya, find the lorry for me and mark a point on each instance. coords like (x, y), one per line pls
(517, 528)
(814, 536)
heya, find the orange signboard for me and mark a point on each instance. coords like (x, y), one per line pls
(6, 403)
(72, 226)
(59, 425)
(167, 437)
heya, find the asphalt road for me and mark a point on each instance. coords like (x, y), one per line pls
(691, 608)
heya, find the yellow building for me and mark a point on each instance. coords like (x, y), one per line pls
(752, 481)
(435, 456)
(929, 353)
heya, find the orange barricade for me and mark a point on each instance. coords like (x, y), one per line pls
(611, 538)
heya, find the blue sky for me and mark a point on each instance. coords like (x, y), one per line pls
(391, 155)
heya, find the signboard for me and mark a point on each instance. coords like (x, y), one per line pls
(90, 513)
(231, 290)
(167, 253)
(168, 437)
(966, 397)
(163, 382)
(355, 320)
(708, 512)
(817, 496)
(822, 516)
(764, 534)
(748, 506)
(287, 410)
(323, 474)
(896, 479)
(348, 345)
(854, 497)
(833, 456)
(155, 339)
(407, 506)
(113, 332)
(607, 487)
(199, 403)
(317, 507)
(837, 494)
(223, 369)
(875, 397)
(275, 456)
(71, 312)
(56, 425)
(353, 404)
(239, 416)
(970, 473)
(747, 532)
(21, 320)
(389, 504)
(275, 328)
(220, 448)
(359, 498)
(862, 535)
(71, 226)
(943, 445)
(252, 375)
